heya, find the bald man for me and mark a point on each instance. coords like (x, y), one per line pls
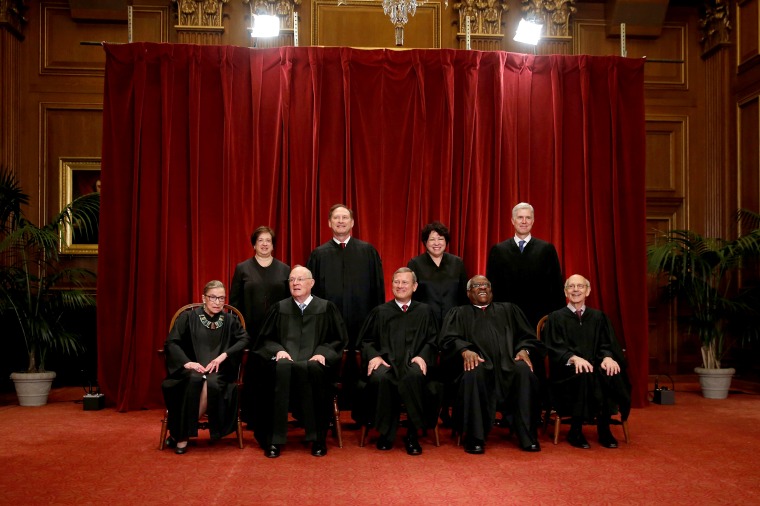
(586, 366)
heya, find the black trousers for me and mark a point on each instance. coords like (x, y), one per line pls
(480, 395)
(385, 394)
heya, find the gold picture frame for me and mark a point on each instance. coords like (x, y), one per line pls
(78, 176)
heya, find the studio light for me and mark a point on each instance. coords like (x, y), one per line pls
(265, 26)
(528, 32)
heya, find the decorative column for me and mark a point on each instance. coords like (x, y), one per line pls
(12, 25)
(199, 21)
(284, 10)
(555, 16)
(486, 30)
(721, 171)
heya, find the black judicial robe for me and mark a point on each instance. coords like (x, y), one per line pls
(253, 291)
(319, 331)
(190, 341)
(496, 334)
(398, 337)
(442, 287)
(531, 279)
(351, 278)
(592, 338)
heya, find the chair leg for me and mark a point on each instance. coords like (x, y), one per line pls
(336, 414)
(163, 430)
(363, 436)
(437, 437)
(557, 423)
(240, 433)
(625, 432)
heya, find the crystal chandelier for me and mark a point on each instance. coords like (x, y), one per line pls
(399, 12)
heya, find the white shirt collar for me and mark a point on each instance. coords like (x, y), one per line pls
(527, 239)
(305, 303)
(346, 241)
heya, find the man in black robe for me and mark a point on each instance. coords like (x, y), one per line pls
(302, 339)
(586, 365)
(497, 347)
(398, 346)
(525, 270)
(349, 273)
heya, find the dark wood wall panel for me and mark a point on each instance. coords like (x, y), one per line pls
(363, 24)
(749, 161)
(61, 37)
(69, 130)
(747, 28)
(62, 52)
(591, 38)
(666, 156)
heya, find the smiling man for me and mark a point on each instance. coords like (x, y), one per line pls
(586, 366)
(494, 347)
(525, 270)
(348, 272)
(398, 348)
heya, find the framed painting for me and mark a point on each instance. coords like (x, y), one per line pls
(78, 176)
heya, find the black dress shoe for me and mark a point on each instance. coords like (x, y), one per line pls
(384, 444)
(272, 451)
(577, 440)
(319, 449)
(533, 447)
(170, 442)
(475, 446)
(180, 451)
(412, 445)
(608, 441)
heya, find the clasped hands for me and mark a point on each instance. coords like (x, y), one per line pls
(582, 365)
(378, 361)
(212, 366)
(282, 354)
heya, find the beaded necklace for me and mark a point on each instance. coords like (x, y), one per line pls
(211, 325)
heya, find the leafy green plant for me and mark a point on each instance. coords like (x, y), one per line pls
(36, 288)
(703, 273)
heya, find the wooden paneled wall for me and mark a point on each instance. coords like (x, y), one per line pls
(702, 95)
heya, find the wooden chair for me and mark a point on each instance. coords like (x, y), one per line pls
(551, 413)
(203, 422)
(337, 387)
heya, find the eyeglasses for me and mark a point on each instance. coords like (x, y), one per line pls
(475, 286)
(214, 298)
(573, 287)
(297, 280)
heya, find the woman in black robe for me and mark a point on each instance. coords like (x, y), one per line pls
(258, 283)
(441, 276)
(442, 285)
(203, 354)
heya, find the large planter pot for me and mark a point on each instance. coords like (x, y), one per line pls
(715, 382)
(32, 388)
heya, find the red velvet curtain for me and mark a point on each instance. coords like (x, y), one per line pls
(204, 143)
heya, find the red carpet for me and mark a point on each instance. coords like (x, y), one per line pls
(698, 451)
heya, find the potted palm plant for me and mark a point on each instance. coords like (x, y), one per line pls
(36, 288)
(703, 273)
